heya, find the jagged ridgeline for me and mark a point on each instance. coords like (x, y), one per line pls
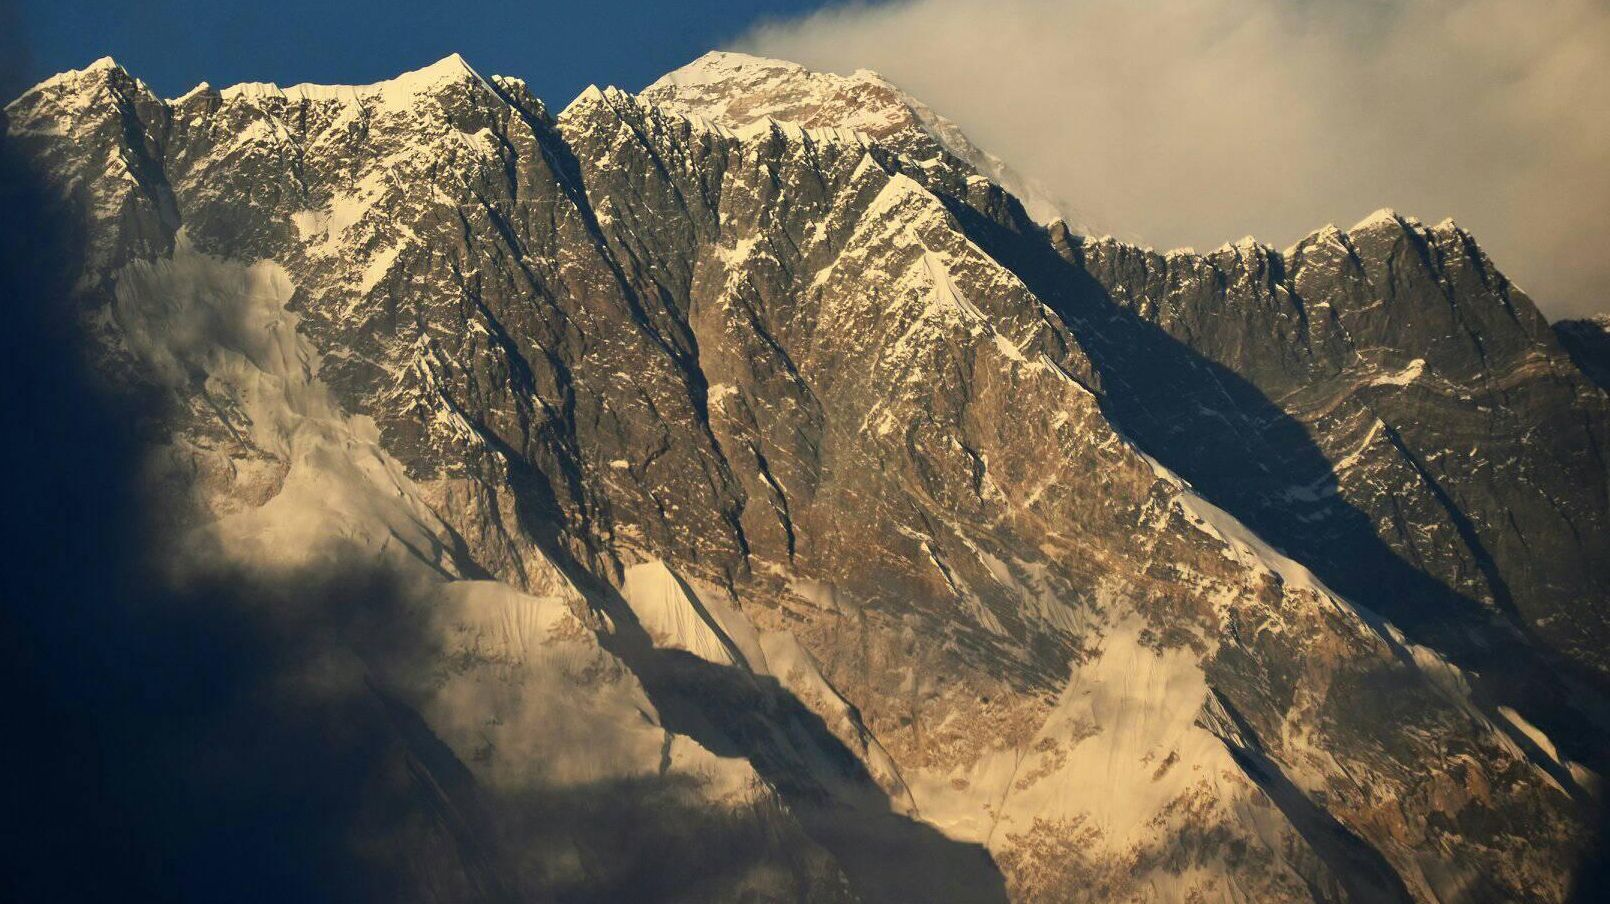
(792, 508)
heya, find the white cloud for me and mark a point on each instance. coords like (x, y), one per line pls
(1191, 122)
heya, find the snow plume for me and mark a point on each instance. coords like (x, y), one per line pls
(1192, 122)
(204, 739)
(215, 736)
(188, 724)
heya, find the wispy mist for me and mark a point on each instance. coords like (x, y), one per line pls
(210, 735)
(1194, 122)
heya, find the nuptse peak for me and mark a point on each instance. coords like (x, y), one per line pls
(766, 449)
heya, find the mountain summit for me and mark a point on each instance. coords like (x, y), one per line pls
(738, 91)
(770, 474)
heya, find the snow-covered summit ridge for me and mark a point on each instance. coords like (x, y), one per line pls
(737, 90)
(104, 64)
(730, 91)
(451, 69)
(74, 81)
(716, 68)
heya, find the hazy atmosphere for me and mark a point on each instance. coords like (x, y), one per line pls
(1194, 123)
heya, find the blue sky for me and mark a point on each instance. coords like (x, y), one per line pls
(558, 47)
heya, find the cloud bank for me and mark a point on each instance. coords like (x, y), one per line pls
(1193, 122)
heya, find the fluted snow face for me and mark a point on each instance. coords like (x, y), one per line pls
(746, 429)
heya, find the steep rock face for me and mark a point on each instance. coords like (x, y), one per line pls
(1391, 410)
(815, 430)
(1381, 401)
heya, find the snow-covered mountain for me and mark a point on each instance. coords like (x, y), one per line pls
(767, 478)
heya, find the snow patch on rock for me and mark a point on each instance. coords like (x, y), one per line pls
(674, 615)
